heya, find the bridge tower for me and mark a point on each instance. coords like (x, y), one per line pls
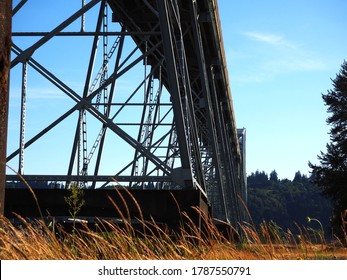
(124, 93)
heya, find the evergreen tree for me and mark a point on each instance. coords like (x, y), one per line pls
(297, 177)
(258, 179)
(331, 174)
(274, 176)
(285, 202)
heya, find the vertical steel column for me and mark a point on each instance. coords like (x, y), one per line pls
(83, 17)
(77, 138)
(5, 54)
(174, 87)
(211, 119)
(107, 112)
(22, 118)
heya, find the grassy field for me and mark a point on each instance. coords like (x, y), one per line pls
(38, 241)
(42, 240)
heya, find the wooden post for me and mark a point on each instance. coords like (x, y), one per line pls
(5, 56)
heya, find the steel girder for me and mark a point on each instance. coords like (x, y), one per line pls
(177, 120)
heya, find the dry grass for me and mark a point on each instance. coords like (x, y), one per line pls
(36, 241)
(110, 241)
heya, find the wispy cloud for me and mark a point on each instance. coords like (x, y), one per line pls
(46, 93)
(39, 93)
(272, 39)
(294, 64)
(269, 55)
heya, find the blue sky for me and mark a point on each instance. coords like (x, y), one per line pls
(281, 56)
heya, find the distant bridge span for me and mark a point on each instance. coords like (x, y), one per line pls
(141, 88)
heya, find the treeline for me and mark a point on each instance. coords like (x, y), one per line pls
(288, 203)
(35, 185)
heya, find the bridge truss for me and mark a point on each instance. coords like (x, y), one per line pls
(132, 93)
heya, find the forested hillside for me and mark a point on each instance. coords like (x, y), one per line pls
(286, 202)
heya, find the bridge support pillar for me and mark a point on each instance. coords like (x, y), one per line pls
(5, 52)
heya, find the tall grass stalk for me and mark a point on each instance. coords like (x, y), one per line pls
(37, 241)
(122, 241)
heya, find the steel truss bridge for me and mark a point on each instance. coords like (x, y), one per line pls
(133, 94)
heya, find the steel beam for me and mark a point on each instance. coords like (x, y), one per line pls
(18, 7)
(77, 139)
(29, 51)
(183, 133)
(89, 178)
(176, 94)
(85, 34)
(144, 206)
(85, 103)
(216, 184)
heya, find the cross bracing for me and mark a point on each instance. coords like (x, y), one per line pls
(128, 92)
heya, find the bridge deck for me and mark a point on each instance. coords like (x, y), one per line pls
(137, 205)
